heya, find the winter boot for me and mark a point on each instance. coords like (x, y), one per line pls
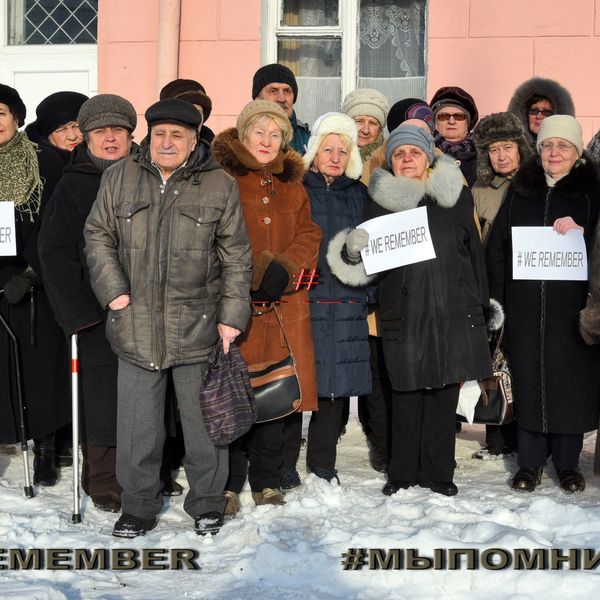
(44, 467)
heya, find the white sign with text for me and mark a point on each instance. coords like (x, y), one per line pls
(396, 240)
(8, 234)
(540, 253)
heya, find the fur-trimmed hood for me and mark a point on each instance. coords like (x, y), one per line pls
(538, 86)
(443, 185)
(530, 179)
(235, 158)
(503, 126)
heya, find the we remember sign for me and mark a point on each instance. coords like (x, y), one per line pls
(540, 253)
(396, 240)
(8, 241)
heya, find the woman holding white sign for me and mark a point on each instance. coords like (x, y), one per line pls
(432, 315)
(28, 174)
(556, 376)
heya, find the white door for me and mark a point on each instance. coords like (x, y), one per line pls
(48, 46)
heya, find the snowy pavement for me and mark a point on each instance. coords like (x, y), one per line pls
(295, 551)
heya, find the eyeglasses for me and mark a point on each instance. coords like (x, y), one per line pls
(447, 116)
(545, 112)
(560, 147)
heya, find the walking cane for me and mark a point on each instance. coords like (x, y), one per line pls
(76, 516)
(28, 488)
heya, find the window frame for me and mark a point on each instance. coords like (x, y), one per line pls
(346, 30)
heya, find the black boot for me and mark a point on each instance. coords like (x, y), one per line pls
(44, 467)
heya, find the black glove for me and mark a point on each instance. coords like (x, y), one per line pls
(273, 284)
(16, 287)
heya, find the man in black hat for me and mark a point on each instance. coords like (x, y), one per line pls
(278, 84)
(169, 256)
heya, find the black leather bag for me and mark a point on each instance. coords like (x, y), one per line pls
(495, 405)
(275, 384)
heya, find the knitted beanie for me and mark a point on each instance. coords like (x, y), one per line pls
(455, 96)
(58, 109)
(413, 135)
(11, 98)
(273, 73)
(106, 110)
(190, 91)
(173, 110)
(564, 127)
(409, 108)
(334, 122)
(366, 102)
(257, 108)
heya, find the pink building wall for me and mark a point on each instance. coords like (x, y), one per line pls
(489, 48)
(220, 48)
(486, 47)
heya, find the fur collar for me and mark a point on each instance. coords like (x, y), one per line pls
(530, 180)
(443, 186)
(233, 156)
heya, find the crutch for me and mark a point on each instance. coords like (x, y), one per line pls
(28, 488)
(76, 516)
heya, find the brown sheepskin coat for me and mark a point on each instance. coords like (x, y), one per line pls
(277, 214)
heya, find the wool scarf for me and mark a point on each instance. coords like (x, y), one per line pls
(20, 179)
(455, 148)
(366, 151)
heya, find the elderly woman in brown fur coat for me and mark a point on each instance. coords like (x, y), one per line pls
(284, 241)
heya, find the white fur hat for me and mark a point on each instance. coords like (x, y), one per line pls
(334, 122)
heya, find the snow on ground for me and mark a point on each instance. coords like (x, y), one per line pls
(294, 551)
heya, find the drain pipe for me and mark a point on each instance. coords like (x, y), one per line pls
(169, 20)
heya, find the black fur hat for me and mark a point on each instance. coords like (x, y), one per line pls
(58, 109)
(11, 98)
(503, 126)
(559, 96)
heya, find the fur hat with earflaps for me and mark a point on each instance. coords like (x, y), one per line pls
(334, 122)
(498, 127)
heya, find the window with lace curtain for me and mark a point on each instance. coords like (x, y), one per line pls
(335, 46)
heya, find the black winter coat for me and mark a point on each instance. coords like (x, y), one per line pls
(338, 312)
(66, 278)
(432, 319)
(556, 376)
(45, 364)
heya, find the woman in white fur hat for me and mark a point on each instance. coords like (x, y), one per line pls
(338, 311)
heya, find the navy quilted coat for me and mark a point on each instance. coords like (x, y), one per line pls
(338, 312)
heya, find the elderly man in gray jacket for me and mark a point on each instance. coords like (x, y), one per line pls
(169, 255)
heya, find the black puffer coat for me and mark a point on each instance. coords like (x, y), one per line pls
(45, 364)
(340, 331)
(67, 281)
(556, 376)
(432, 319)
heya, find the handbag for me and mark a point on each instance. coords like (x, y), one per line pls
(226, 398)
(495, 404)
(275, 384)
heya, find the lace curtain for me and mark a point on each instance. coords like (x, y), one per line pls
(391, 51)
(392, 48)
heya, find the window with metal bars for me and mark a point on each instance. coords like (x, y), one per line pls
(32, 22)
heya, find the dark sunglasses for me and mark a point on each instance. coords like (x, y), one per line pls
(534, 112)
(447, 116)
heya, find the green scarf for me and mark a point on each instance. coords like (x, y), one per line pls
(20, 179)
(366, 151)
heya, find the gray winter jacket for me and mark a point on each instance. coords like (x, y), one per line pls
(179, 248)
